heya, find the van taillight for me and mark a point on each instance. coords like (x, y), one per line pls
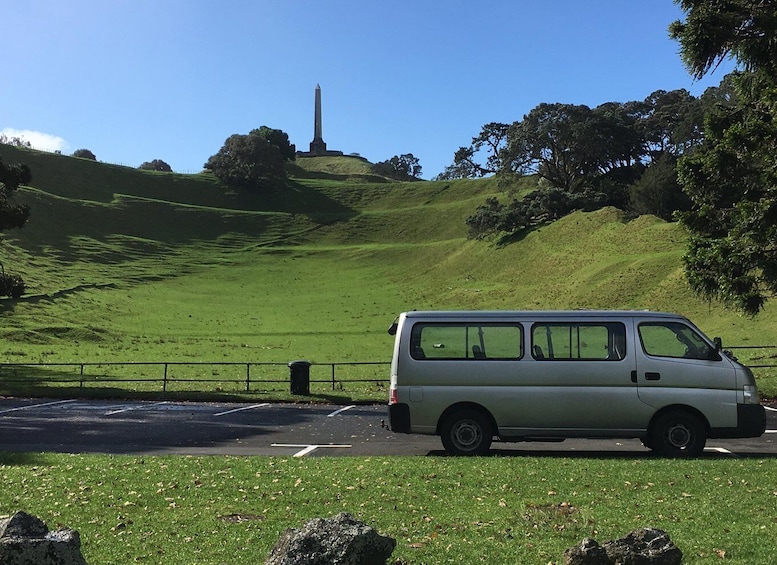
(393, 396)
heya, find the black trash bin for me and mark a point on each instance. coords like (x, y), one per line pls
(300, 377)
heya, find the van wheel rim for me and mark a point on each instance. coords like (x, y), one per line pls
(679, 436)
(467, 435)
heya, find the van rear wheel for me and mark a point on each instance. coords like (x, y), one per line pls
(467, 432)
(678, 433)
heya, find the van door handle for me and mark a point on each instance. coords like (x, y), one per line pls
(652, 376)
(634, 377)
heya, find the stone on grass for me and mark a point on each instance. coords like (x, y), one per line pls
(26, 540)
(341, 540)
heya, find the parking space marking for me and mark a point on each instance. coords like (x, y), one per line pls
(306, 449)
(243, 408)
(341, 410)
(770, 408)
(136, 407)
(722, 450)
(35, 406)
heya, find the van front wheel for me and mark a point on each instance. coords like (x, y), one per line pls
(467, 432)
(678, 434)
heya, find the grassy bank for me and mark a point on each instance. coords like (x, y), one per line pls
(125, 265)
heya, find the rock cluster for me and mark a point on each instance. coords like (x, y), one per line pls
(645, 546)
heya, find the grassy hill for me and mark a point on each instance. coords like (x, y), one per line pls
(130, 265)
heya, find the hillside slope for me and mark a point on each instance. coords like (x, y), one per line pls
(185, 269)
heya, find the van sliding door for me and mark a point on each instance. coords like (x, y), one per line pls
(580, 379)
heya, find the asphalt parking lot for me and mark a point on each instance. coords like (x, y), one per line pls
(299, 430)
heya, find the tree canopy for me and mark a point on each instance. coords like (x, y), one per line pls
(84, 154)
(731, 178)
(155, 165)
(621, 154)
(12, 215)
(253, 162)
(491, 140)
(399, 167)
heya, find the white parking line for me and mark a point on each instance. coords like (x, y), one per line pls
(770, 408)
(306, 448)
(336, 412)
(137, 407)
(35, 406)
(243, 408)
(722, 450)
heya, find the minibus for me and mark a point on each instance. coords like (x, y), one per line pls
(472, 376)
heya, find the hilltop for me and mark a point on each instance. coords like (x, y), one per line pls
(126, 264)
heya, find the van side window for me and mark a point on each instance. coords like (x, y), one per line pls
(585, 341)
(673, 339)
(466, 341)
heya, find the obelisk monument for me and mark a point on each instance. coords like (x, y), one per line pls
(318, 146)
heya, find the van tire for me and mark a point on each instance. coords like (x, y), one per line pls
(467, 432)
(678, 433)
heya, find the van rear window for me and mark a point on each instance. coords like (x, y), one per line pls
(457, 341)
(585, 342)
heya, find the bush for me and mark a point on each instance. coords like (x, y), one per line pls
(11, 285)
(538, 207)
(84, 154)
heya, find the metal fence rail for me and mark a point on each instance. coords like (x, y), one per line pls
(245, 375)
(773, 363)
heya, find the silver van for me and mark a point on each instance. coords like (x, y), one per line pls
(549, 375)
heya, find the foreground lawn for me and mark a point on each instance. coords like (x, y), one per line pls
(213, 510)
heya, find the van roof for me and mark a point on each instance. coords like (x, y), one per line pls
(531, 314)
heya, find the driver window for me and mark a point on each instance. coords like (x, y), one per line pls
(673, 339)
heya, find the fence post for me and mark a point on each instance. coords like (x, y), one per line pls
(333, 376)
(81, 381)
(248, 377)
(164, 380)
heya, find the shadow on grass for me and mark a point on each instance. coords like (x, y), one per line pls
(21, 458)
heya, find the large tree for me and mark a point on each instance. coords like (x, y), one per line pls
(567, 145)
(732, 177)
(253, 162)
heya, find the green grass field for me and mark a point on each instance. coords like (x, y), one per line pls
(132, 266)
(170, 510)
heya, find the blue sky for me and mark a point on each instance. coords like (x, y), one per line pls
(136, 80)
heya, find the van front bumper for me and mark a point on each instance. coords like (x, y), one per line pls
(399, 418)
(751, 422)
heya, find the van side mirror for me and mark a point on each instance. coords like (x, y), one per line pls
(393, 327)
(718, 343)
